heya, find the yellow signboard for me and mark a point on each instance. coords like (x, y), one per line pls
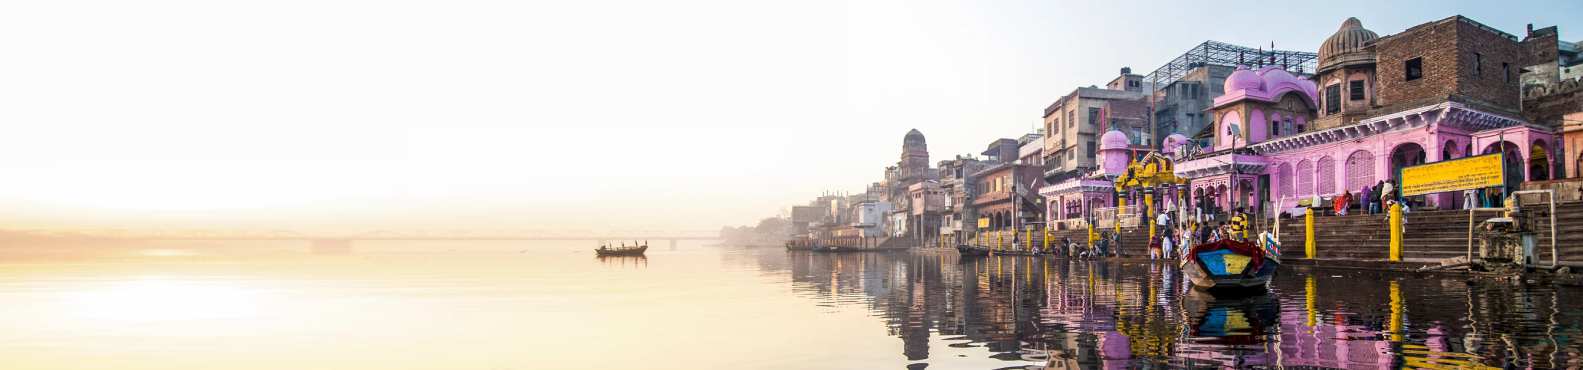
(983, 222)
(1458, 174)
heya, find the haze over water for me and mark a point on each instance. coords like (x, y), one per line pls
(553, 305)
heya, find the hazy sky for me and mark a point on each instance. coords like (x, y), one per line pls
(478, 115)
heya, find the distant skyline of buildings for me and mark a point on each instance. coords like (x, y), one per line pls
(1255, 128)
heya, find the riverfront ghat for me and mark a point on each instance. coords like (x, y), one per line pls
(1382, 152)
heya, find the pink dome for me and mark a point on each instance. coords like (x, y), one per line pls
(1172, 142)
(1113, 140)
(1278, 81)
(1244, 79)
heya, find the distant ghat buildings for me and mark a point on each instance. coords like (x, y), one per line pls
(1247, 127)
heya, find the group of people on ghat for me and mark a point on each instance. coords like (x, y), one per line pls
(1379, 198)
(1175, 240)
(1371, 199)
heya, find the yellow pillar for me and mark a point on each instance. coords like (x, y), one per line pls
(1396, 232)
(1027, 237)
(1309, 244)
(1046, 238)
(1000, 240)
(1148, 212)
(1121, 207)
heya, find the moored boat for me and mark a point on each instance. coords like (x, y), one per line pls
(1229, 266)
(973, 250)
(968, 250)
(801, 245)
(624, 250)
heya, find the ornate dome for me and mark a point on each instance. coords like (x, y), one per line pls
(1113, 140)
(913, 139)
(1346, 46)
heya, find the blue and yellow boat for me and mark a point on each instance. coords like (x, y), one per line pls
(1230, 265)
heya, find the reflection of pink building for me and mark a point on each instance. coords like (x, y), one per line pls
(1379, 104)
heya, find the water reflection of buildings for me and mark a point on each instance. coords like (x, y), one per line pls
(1129, 315)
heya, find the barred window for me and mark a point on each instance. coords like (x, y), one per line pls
(1305, 178)
(1360, 170)
(1326, 183)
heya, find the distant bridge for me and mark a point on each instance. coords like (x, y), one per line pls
(343, 243)
(427, 238)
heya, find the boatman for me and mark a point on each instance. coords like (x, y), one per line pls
(1239, 225)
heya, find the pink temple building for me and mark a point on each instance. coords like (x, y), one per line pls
(1375, 105)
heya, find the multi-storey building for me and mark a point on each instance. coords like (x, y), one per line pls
(1005, 196)
(1073, 123)
(958, 218)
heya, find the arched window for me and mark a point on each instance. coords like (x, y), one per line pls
(1360, 170)
(1305, 177)
(1326, 183)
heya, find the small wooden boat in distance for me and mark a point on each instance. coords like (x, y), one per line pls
(623, 250)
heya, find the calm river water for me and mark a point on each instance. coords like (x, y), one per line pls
(553, 305)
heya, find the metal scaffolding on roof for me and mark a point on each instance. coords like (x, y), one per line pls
(1219, 53)
(1213, 52)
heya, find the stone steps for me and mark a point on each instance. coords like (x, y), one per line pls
(1428, 234)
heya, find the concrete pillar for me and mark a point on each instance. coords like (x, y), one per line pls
(1396, 233)
(1310, 246)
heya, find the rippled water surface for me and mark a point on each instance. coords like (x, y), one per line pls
(553, 305)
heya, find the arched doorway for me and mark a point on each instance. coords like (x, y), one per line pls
(1578, 166)
(1450, 151)
(1538, 162)
(1222, 198)
(1514, 161)
(1407, 155)
(1245, 196)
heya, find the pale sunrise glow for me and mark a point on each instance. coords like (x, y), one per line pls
(359, 115)
(156, 299)
(790, 185)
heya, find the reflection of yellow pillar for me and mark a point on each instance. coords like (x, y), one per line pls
(1311, 294)
(1396, 232)
(1148, 212)
(1309, 244)
(1396, 311)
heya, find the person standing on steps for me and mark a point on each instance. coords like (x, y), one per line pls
(1387, 193)
(1165, 246)
(1374, 202)
(1363, 200)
